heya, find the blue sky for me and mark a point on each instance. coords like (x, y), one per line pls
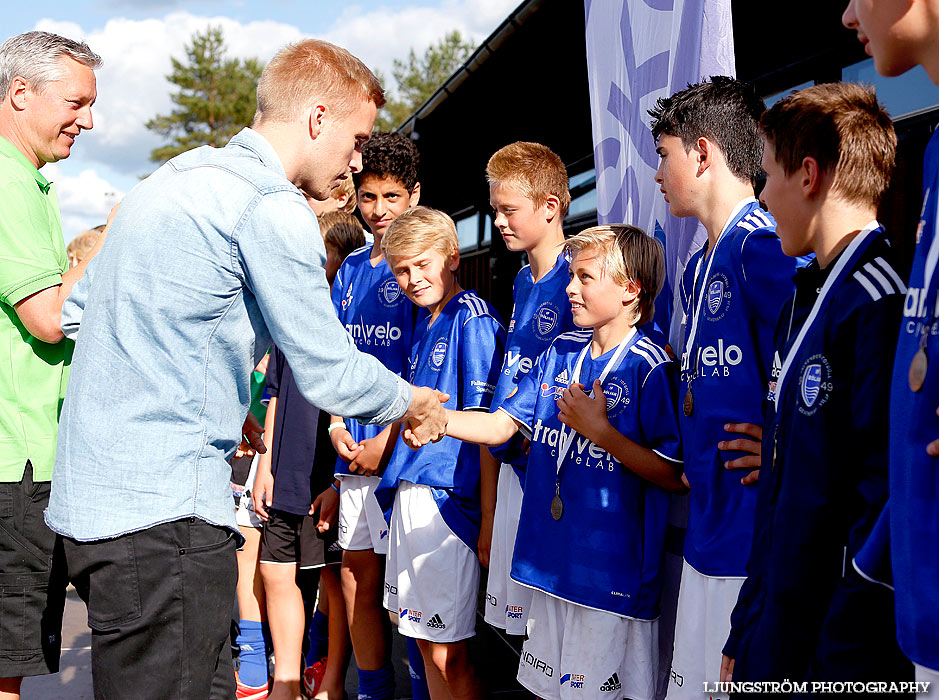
(136, 39)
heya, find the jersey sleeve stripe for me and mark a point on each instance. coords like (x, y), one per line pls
(866, 283)
(886, 267)
(642, 353)
(653, 349)
(879, 278)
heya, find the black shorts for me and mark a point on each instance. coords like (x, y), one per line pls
(287, 538)
(33, 578)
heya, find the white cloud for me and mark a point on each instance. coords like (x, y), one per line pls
(84, 199)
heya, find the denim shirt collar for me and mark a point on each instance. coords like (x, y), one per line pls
(253, 141)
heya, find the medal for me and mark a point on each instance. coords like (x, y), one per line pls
(918, 368)
(688, 404)
(557, 507)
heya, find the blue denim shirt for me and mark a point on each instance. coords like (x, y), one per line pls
(208, 260)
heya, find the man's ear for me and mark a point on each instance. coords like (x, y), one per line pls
(19, 92)
(318, 114)
(415, 195)
(552, 207)
(811, 177)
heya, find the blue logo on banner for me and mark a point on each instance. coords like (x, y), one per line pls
(440, 352)
(715, 296)
(811, 382)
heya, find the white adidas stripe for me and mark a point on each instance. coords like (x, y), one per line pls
(886, 267)
(868, 285)
(879, 278)
(653, 349)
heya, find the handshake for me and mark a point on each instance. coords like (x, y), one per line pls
(426, 419)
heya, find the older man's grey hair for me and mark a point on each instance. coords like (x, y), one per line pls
(35, 56)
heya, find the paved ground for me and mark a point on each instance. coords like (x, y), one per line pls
(495, 657)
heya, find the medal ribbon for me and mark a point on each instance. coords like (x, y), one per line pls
(621, 349)
(696, 310)
(841, 269)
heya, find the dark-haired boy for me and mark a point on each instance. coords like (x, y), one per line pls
(804, 612)
(708, 139)
(372, 307)
(899, 35)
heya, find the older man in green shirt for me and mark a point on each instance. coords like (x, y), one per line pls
(47, 87)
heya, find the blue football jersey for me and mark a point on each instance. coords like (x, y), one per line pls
(459, 354)
(914, 475)
(378, 316)
(823, 483)
(737, 293)
(606, 550)
(540, 314)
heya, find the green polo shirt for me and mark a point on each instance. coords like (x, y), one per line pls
(33, 374)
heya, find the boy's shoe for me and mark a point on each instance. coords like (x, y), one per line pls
(313, 677)
(250, 692)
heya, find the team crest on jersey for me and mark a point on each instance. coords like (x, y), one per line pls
(815, 384)
(438, 354)
(545, 320)
(717, 299)
(389, 293)
(617, 396)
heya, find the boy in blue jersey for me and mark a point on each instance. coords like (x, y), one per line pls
(804, 612)
(591, 535)
(377, 315)
(898, 34)
(432, 577)
(708, 140)
(529, 196)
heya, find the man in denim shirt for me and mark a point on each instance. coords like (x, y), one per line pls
(208, 260)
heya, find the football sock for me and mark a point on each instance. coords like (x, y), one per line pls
(378, 684)
(319, 638)
(419, 689)
(250, 640)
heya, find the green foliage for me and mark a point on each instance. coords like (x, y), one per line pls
(215, 100)
(417, 78)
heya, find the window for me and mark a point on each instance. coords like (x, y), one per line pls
(770, 100)
(902, 95)
(467, 232)
(583, 187)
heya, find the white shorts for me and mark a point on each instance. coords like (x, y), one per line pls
(576, 653)
(507, 601)
(361, 521)
(702, 626)
(924, 673)
(431, 576)
(244, 513)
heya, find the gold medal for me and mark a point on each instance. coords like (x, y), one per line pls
(688, 404)
(557, 507)
(918, 368)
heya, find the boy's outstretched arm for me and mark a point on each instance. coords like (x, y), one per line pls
(754, 447)
(480, 428)
(587, 415)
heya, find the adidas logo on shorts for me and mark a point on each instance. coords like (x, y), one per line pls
(611, 684)
(436, 623)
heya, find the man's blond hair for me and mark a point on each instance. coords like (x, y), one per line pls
(419, 229)
(627, 254)
(311, 70)
(534, 170)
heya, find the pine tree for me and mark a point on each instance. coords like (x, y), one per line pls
(215, 100)
(418, 78)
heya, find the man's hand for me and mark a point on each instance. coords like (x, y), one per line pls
(583, 413)
(425, 420)
(251, 441)
(754, 447)
(345, 446)
(727, 669)
(328, 504)
(262, 494)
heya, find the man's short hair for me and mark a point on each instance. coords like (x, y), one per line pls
(534, 170)
(419, 229)
(723, 110)
(390, 155)
(341, 231)
(845, 129)
(311, 70)
(626, 254)
(35, 56)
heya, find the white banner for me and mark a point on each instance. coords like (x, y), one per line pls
(637, 52)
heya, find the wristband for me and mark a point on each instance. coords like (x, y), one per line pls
(333, 485)
(333, 426)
